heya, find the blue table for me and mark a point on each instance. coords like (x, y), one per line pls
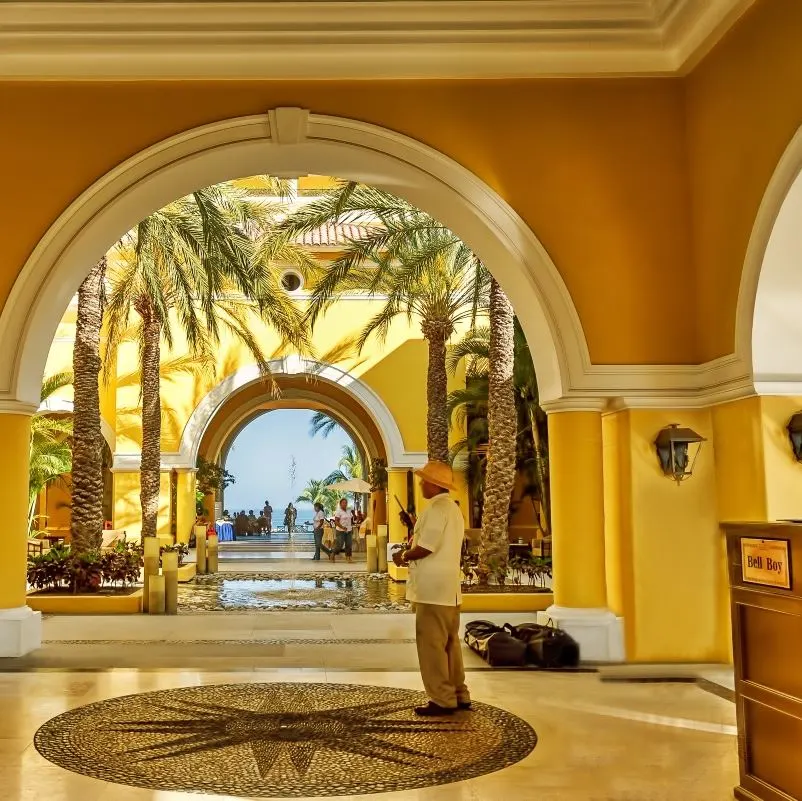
(225, 532)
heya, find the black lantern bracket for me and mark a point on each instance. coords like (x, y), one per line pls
(795, 435)
(677, 451)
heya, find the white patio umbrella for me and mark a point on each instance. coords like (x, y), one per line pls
(352, 485)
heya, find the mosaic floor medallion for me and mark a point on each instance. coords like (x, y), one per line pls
(281, 740)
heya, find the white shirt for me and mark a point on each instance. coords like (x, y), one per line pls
(318, 520)
(344, 518)
(436, 578)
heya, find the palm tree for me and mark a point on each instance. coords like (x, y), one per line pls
(317, 492)
(321, 423)
(468, 407)
(350, 466)
(87, 449)
(502, 428)
(204, 264)
(419, 267)
(51, 455)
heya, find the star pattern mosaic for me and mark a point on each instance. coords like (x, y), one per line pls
(281, 740)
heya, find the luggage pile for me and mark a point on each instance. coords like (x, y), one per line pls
(529, 644)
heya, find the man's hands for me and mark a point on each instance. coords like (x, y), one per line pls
(408, 519)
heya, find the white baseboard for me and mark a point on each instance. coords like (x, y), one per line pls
(20, 631)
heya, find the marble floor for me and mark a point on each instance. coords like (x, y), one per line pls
(616, 734)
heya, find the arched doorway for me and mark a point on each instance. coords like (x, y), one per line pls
(286, 141)
(769, 342)
(291, 141)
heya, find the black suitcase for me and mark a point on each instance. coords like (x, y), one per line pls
(497, 647)
(546, 646)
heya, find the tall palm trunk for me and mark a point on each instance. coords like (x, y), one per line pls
(502, 419)
(150, 468)
(436, 334)
(540, 469)
(87, 449)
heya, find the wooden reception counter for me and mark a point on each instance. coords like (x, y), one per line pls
(765, 569)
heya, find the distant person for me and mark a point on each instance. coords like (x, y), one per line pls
(226, 516)
(344, 528)
(240, 524)
(268, 513)
(318, 524)
(288, 518)
(252, 523)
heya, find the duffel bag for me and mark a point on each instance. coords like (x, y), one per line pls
(546, 646)
(497, 647)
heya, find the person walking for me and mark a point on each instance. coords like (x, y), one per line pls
(318, 523)
(433, 588)
(268, 513)
(344, 526)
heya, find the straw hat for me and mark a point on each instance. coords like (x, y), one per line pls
(438, 473)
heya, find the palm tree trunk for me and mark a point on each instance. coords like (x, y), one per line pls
(150, 468)
(87, 449)
(436, 334)
(540, 470)
(502, 419)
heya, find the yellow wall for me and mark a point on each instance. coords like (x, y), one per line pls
(783, 473)
(127, 510)
(604, 157)
(665, 553)
(743, 108)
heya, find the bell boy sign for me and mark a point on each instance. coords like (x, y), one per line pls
(766, 562)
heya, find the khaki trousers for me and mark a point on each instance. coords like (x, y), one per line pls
(440, 653)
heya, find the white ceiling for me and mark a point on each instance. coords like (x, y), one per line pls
(340, 39)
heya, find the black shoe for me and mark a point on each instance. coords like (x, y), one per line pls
(433, 710)
(464, 705)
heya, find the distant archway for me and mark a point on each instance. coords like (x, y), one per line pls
(304, 383)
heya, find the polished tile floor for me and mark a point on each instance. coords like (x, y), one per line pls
(601, 737)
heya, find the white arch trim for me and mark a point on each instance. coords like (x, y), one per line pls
(397, 453)
(289, 141)
(234, 423)
(768, 321)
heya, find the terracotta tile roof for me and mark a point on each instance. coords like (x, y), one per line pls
(331, 235)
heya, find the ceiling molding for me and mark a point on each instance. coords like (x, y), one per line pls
(355, 39)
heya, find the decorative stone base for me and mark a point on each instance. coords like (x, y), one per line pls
(506, 601)
(20, 631)
(67, 604)
(397, 573)
(599, 632)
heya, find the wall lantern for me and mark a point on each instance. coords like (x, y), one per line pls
(677, 449)
(795, 435)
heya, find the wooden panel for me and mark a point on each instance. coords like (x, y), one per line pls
(767, 646)
(771, 644)
(773, 744)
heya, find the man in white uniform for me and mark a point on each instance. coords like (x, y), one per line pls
(433, 587)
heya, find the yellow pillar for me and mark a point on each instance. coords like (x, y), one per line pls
(396, 487)
(577, 521)
(20, 627)
(577, 509)
(185, 503)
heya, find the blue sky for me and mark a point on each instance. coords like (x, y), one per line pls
(260, 460)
